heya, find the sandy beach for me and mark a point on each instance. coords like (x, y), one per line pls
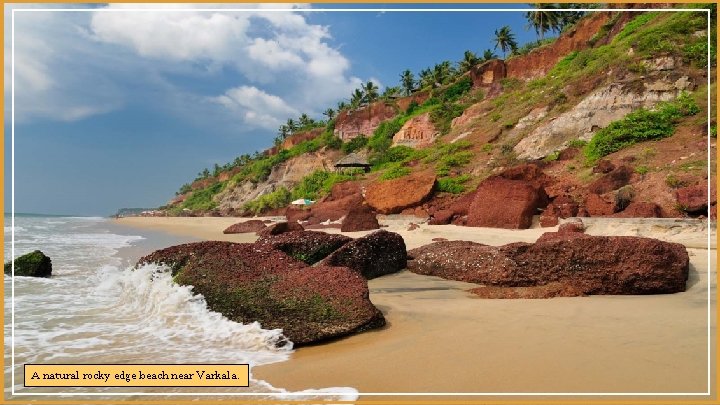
(441, 339)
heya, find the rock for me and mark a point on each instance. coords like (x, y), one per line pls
(416, 132)
(393, 196)
(640, 210)
(503, 203)
(307, 246)
(33, 264)
(549, 217)
(611, 181)
(561, 207)
(293, 214)
(572, 227)
(596, 206)
(603, 166)
(529, 172)
(254, 225)
(694, 199)
(361, 218)
(280, 227)
(439, 239)
(248, 282)
(351, 123)
(374, 255)
(441, 217)
(342, 198)
(413, 226)
(586, 264)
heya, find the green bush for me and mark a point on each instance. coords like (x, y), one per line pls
(642, 170)
(638, 126)
(454, 185)
(457, 89)
(394, 171)
(448, 162)
(443, 115)
(354, 144)
(634, 24)
(381, 138)
(277, 199)
(318, 183)
(396, 154)
(202, 200)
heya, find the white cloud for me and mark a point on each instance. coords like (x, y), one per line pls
(70, 66)
(278, 49)
(257, 107)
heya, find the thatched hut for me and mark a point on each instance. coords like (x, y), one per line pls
(353, 161)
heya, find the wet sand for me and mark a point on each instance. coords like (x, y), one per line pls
(440, 339)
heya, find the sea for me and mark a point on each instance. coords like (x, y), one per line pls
(98, 308)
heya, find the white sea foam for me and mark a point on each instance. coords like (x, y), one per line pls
(92, 310)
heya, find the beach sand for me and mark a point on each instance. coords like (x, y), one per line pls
(441, 339)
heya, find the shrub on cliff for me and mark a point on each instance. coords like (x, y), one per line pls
(318, 184)
(277, 199)
(640, 125)
(354, 144)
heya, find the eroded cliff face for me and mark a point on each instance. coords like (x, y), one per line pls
(287, 174)
(363, 121)
(417, 132)
(599, 109)
(538, 62)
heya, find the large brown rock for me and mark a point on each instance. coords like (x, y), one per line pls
(374, 255)
(596, 206)
(393, 196)
(503, 203)
(561, 207)
(613, 180)
(640, 210)
(586, 264)
(249, 282)
(694, 199)
(295, 214)
(280, 227)
(342, 198)
(361, 218)
(441, 217)
(252, 225)
(307, 246)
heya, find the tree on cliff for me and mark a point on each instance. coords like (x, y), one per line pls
(469, 60)
(330, 113)
(426, 78)
(543, 19)
(357, 98)
(407, 81)
(489, 54)
(505, 39)
(291, 125)
(371, 91)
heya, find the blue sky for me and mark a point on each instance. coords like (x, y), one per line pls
(118, 109)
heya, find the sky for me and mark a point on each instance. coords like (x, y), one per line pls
(118, 108)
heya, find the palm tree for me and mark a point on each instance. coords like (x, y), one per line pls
(341, 106)
(407, 81)
(330, 113)
(542, 19)
(426, 78)
(357, 98)
(283, 132)
(489, 54)
(305, 121)
(291, 125)
(371, 91)
(391, 91)
(469, 60)
(505, 39)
